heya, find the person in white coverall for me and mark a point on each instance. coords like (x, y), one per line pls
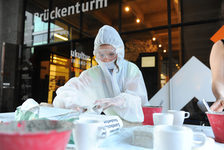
(115, 85)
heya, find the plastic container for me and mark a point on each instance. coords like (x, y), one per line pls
(216, 121)
(148, 113)
(35, 135)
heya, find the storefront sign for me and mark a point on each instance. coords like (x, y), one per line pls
(79, 55)
(71, 10)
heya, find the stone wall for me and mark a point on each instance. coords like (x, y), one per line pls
(134, 47)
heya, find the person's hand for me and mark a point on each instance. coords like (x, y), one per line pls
(218, 106)
(76, 108)
(108, 102)
(46, 104)
(103, 103)
(79, 109)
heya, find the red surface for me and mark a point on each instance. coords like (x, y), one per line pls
(40, 141)
(148, 111)
(217, 123)
(45, 135)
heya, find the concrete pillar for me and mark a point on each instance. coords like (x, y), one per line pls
(11, 21)
(1, 11)
(11, 31)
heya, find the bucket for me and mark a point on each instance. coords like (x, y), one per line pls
(35, 135)
(216, 121)
(148, 112)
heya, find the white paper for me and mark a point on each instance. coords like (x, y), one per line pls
(111, 123)
(49, 112)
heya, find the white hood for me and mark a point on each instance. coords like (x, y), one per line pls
(108, 35)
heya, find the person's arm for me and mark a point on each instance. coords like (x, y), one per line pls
(74, 95)
(217, 69)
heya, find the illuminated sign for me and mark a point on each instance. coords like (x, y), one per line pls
(79, 55)
(148, 61)
(71, 10)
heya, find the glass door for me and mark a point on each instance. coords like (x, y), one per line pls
(58, 74)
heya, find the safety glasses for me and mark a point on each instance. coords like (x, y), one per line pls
(106, 53)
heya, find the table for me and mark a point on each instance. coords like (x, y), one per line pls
(122, 140)
(6, 117)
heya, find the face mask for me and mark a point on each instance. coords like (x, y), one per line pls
(110, 65)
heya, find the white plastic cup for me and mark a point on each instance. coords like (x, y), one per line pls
(176, 138)
(87, 133)
(163, 119)
(179, 116)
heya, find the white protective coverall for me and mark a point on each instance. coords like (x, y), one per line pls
(125, 84)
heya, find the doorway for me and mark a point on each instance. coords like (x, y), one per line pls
(51, 69)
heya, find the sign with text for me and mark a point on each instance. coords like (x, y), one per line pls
(71, 10)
